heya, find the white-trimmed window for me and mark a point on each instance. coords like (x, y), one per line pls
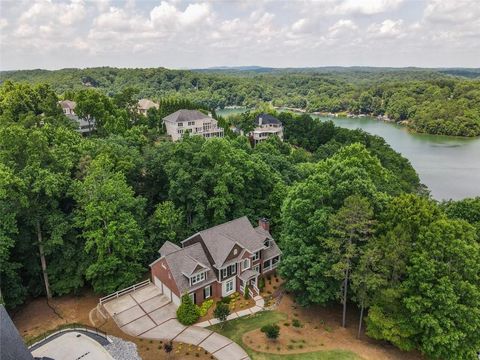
(271, 263)
(198, 278)
(229, 286)
(207, 292)
(235, 251)
(180, 131)
(256, 256)
(191, 123)
(180, 124)
(256, 268)
(246, 264)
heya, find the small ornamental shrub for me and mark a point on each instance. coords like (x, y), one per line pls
(261, 284)
(247, 293)
(221, 312)
(296, 323)
(226, 300)
(188, 313)
(168, 348)
(207, 304)
(272, 331)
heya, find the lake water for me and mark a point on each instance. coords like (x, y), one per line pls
(449, 166)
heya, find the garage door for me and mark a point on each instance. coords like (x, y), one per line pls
(166, 291)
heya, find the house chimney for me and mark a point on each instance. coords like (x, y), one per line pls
(260, 121)
(264, 223)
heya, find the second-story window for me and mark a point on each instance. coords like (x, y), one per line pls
(180, 124)
(246, 264)
(198, 278)
(256, 256)
(229, 271)
(191, 123)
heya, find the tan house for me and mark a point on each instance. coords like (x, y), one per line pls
(193, 122)
(145, 104)
(265, 126)
(217, 262)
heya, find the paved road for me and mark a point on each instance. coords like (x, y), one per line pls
(148, 314)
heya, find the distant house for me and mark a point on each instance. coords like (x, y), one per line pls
(145, 104)
(266, 125)
(68, 108)
(217, 262)
(193, 122)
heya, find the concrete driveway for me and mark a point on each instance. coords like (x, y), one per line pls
(147, 313)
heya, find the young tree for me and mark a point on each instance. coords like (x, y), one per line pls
(110, 217)
(350, 227)
(187, 313)
(366, 279)
(221, 312)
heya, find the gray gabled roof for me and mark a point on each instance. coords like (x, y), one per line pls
(184, 262)
(167, 248)
(221, 239)
(12, 346)
(265, 119)
(67, 104)
(185, 116)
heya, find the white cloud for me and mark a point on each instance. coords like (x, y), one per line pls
(200, 33)
(342, 26)
(387, 29)
(367, 7)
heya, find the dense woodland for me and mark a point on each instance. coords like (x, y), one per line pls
(431, 101)
(353, 221)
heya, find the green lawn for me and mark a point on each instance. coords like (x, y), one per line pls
(234, 329)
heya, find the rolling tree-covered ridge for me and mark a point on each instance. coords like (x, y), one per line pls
(443, 101)
(350, 215)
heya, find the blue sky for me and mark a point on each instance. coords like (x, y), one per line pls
(194, 34)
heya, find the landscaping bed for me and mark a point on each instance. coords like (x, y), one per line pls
(316, 336)
(236, 302)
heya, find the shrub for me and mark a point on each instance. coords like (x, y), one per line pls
(286, 324)
(272, 331)
(205, 306)
(168, 347)
(247, 293)
(296, 323)
(261, 284)
(226, 300)
(188, 313)
(221, 312)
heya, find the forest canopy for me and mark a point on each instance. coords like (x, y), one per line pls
(349, 213)
(427, 100)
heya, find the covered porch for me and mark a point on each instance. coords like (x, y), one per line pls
(249, 278)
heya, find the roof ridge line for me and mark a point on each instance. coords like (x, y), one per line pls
(213, 227)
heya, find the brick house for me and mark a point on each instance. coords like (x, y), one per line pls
(216, 262)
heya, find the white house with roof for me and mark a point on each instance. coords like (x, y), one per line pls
(266, 125)
(193, 122)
